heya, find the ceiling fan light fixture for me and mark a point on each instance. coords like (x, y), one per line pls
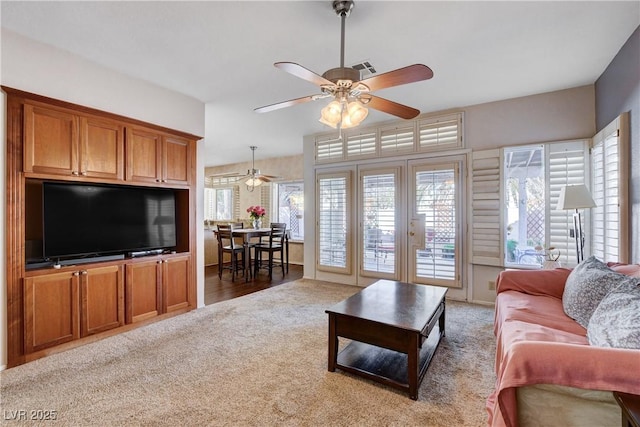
(253, 182)
(354, 114)
(331, 115)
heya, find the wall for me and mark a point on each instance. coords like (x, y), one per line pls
(554, 116)
(617, 91)
(38, 68)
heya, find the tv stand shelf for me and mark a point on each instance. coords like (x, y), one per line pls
(54, 306)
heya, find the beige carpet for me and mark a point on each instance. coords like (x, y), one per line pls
(253, 361)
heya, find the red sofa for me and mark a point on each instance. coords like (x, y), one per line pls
(546, 371)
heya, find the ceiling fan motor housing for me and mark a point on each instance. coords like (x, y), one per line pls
(342, 76)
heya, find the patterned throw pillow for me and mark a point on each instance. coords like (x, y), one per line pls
(616, 321)
(586, 286)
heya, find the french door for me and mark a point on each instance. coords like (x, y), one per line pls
(409, 222)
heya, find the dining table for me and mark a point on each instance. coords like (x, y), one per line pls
(249, 233)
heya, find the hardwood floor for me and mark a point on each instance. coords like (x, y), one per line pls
(216, 289)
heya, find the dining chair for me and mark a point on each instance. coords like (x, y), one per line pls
(228, 245)
(275, 246)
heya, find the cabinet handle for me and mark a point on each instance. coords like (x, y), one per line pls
(159, 262)
(83, 173)
(157, 180)
(83, 272)
(75, 273)
(75, 173)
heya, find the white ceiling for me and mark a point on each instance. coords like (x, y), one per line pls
(222, 53)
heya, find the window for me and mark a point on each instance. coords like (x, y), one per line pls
(437, 202)
(290, 206)
(378, 221)
(333, 252)
(218, 204)
(533, 178)
(427, 134)
(525, 197)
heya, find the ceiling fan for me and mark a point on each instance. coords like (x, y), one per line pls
(351, 94)
(253, 175)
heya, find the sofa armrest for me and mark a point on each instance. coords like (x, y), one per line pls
(533, 282)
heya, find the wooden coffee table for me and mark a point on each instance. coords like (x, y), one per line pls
(390, 324)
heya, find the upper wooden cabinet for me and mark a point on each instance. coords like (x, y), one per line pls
(153, 157)
(101, 148)
(58, 142)
(50, 141)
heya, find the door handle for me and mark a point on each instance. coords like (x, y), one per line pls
(411, 233)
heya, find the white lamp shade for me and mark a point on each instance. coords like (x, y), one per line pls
(331, 114)
(575, 197)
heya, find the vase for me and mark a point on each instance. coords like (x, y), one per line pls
(257, 223)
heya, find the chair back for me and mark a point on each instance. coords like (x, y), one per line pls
(277, 233)
(224, 236)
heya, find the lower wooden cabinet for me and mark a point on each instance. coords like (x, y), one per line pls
(144, 290)
(68, 305)
(102, 296)
(156, 287)
(175, 283)
(51, 310)
(62, 307)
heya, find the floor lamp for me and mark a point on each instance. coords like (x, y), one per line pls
(576, 197)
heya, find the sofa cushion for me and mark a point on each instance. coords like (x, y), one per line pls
(632, 270)
(586, 286)
(616, 320)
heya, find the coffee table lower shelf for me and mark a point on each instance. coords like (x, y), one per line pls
(386, 366)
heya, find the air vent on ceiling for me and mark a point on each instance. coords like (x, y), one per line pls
(365, 68)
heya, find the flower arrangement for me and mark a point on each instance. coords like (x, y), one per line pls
(256, 212)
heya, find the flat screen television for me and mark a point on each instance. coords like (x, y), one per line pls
(81, 220)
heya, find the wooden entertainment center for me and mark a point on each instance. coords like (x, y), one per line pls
(50, 309)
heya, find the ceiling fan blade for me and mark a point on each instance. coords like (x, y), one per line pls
(303, 73)
(288, 103)
(391, 107)
(412, 73)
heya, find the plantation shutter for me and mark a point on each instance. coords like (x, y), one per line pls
(397, 140)
(437, 201)
(486, 208)
(333, 249)
(265, 202)
(236, 201)
(378, 223)
(565, 166)
(329, 149)
(361, 145)
(440, 133)
(609, 189)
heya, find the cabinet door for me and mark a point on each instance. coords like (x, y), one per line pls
(50, 141)
(51, 310)
(102, 293)
(143, 285)
(176, 160)
(144, 153)
(101, 149)
(175, 281)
